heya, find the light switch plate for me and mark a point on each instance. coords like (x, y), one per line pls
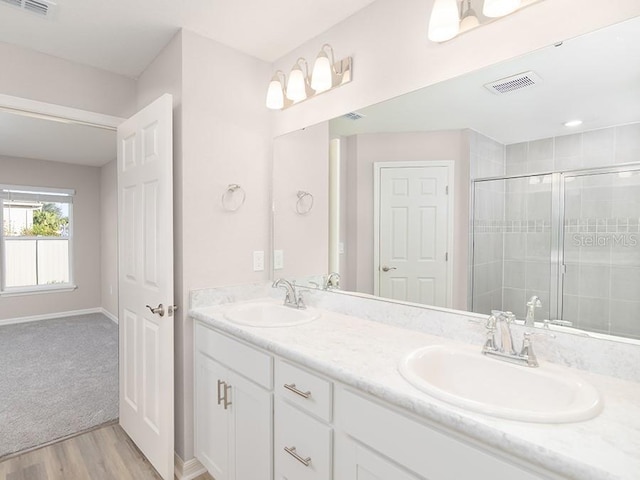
(258, 261)
(278, 259)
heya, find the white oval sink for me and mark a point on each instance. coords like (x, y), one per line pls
(263, 314)
(468, 379)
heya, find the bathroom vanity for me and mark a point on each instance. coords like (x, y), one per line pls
(324, 400)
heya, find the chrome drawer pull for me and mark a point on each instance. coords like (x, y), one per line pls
(293, 389)
(226, 399)
(292, 451)
(220, 395)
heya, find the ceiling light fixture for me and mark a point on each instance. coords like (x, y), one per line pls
(447, 20)
(327, 74)
(573, 123)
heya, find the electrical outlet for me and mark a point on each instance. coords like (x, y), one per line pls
(278, 259)
(258, 261)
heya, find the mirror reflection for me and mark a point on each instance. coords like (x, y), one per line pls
(516, 187)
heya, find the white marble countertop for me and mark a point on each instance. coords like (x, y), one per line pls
(365, 354)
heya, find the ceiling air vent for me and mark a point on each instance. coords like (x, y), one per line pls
(513, 83)
(44, 8)
(353, 116)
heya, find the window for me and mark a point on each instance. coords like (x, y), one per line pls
(35, 245)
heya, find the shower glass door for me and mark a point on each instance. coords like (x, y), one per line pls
(512, 246)
(601, 252)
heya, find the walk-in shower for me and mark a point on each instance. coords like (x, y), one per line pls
(572, 239)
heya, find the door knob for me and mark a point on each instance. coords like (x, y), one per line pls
(159, 310)
(386, 269)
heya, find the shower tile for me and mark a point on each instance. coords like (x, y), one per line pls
(482, 303)
(540, 157)
(568, 146)
(538, 246)
(571, 308)
(567, 163)
(594, 314)
(516, 158)
(628, 143)
(537, 275)
(514, 246)
(625, 320)
(514, 300)
(625, 284)
(514, 274)
(594, 280)
(571, 280)
(599, 143)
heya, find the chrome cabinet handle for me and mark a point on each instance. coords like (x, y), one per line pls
(386, 269)
(292, 451)
(227, 388)
(292, 388)
(220, 396)
(159, 310)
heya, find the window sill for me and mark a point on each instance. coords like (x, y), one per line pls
(17, 292)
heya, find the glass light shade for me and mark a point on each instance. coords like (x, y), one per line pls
(499, 8)
(444, 23)
(296, 85)
(275, 96)
(322, 77)
(469, 21)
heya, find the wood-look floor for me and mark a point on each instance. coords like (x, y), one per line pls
(106, 453)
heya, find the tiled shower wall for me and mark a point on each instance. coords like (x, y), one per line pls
(487, 160)
(602, 237)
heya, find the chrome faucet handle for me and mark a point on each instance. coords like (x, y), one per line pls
(491, 326)
(527, 350)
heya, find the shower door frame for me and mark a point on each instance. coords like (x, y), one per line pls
(556, 259)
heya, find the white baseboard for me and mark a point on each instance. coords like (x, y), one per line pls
(109, 315)
(49, 316)
(187, 470)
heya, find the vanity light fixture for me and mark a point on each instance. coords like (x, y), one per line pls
(469, 18)
(573, 123)
(444, 23)
(327, 74)
(447, 20)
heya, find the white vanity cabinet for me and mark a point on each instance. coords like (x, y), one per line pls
(377, 442)
(233, 407)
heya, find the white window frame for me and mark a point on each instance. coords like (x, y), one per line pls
(53, 195)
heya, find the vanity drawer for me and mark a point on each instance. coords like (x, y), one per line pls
(304, 389)
(302, 445)
(246, 360)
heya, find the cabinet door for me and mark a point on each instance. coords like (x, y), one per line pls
(250, 434)
(212, 420)
(356, 462)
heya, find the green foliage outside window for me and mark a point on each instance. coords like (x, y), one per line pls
(47, 222)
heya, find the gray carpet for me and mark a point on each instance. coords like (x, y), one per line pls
(57, 377)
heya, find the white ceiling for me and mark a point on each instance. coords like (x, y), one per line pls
(124, 36)
(595, 77)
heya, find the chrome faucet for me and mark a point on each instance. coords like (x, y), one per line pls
(332, 281)
(503, 321)
(533, 303)
(291, 299)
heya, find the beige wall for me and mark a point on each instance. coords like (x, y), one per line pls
(392, 56)
(109, 238)
(86, 234)
(301, 162)
(36, 76)
(365, 150)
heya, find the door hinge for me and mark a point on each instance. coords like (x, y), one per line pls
(446, 190)
(446, 257)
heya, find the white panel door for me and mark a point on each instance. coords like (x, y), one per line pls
(414, 234)
(145, 243)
